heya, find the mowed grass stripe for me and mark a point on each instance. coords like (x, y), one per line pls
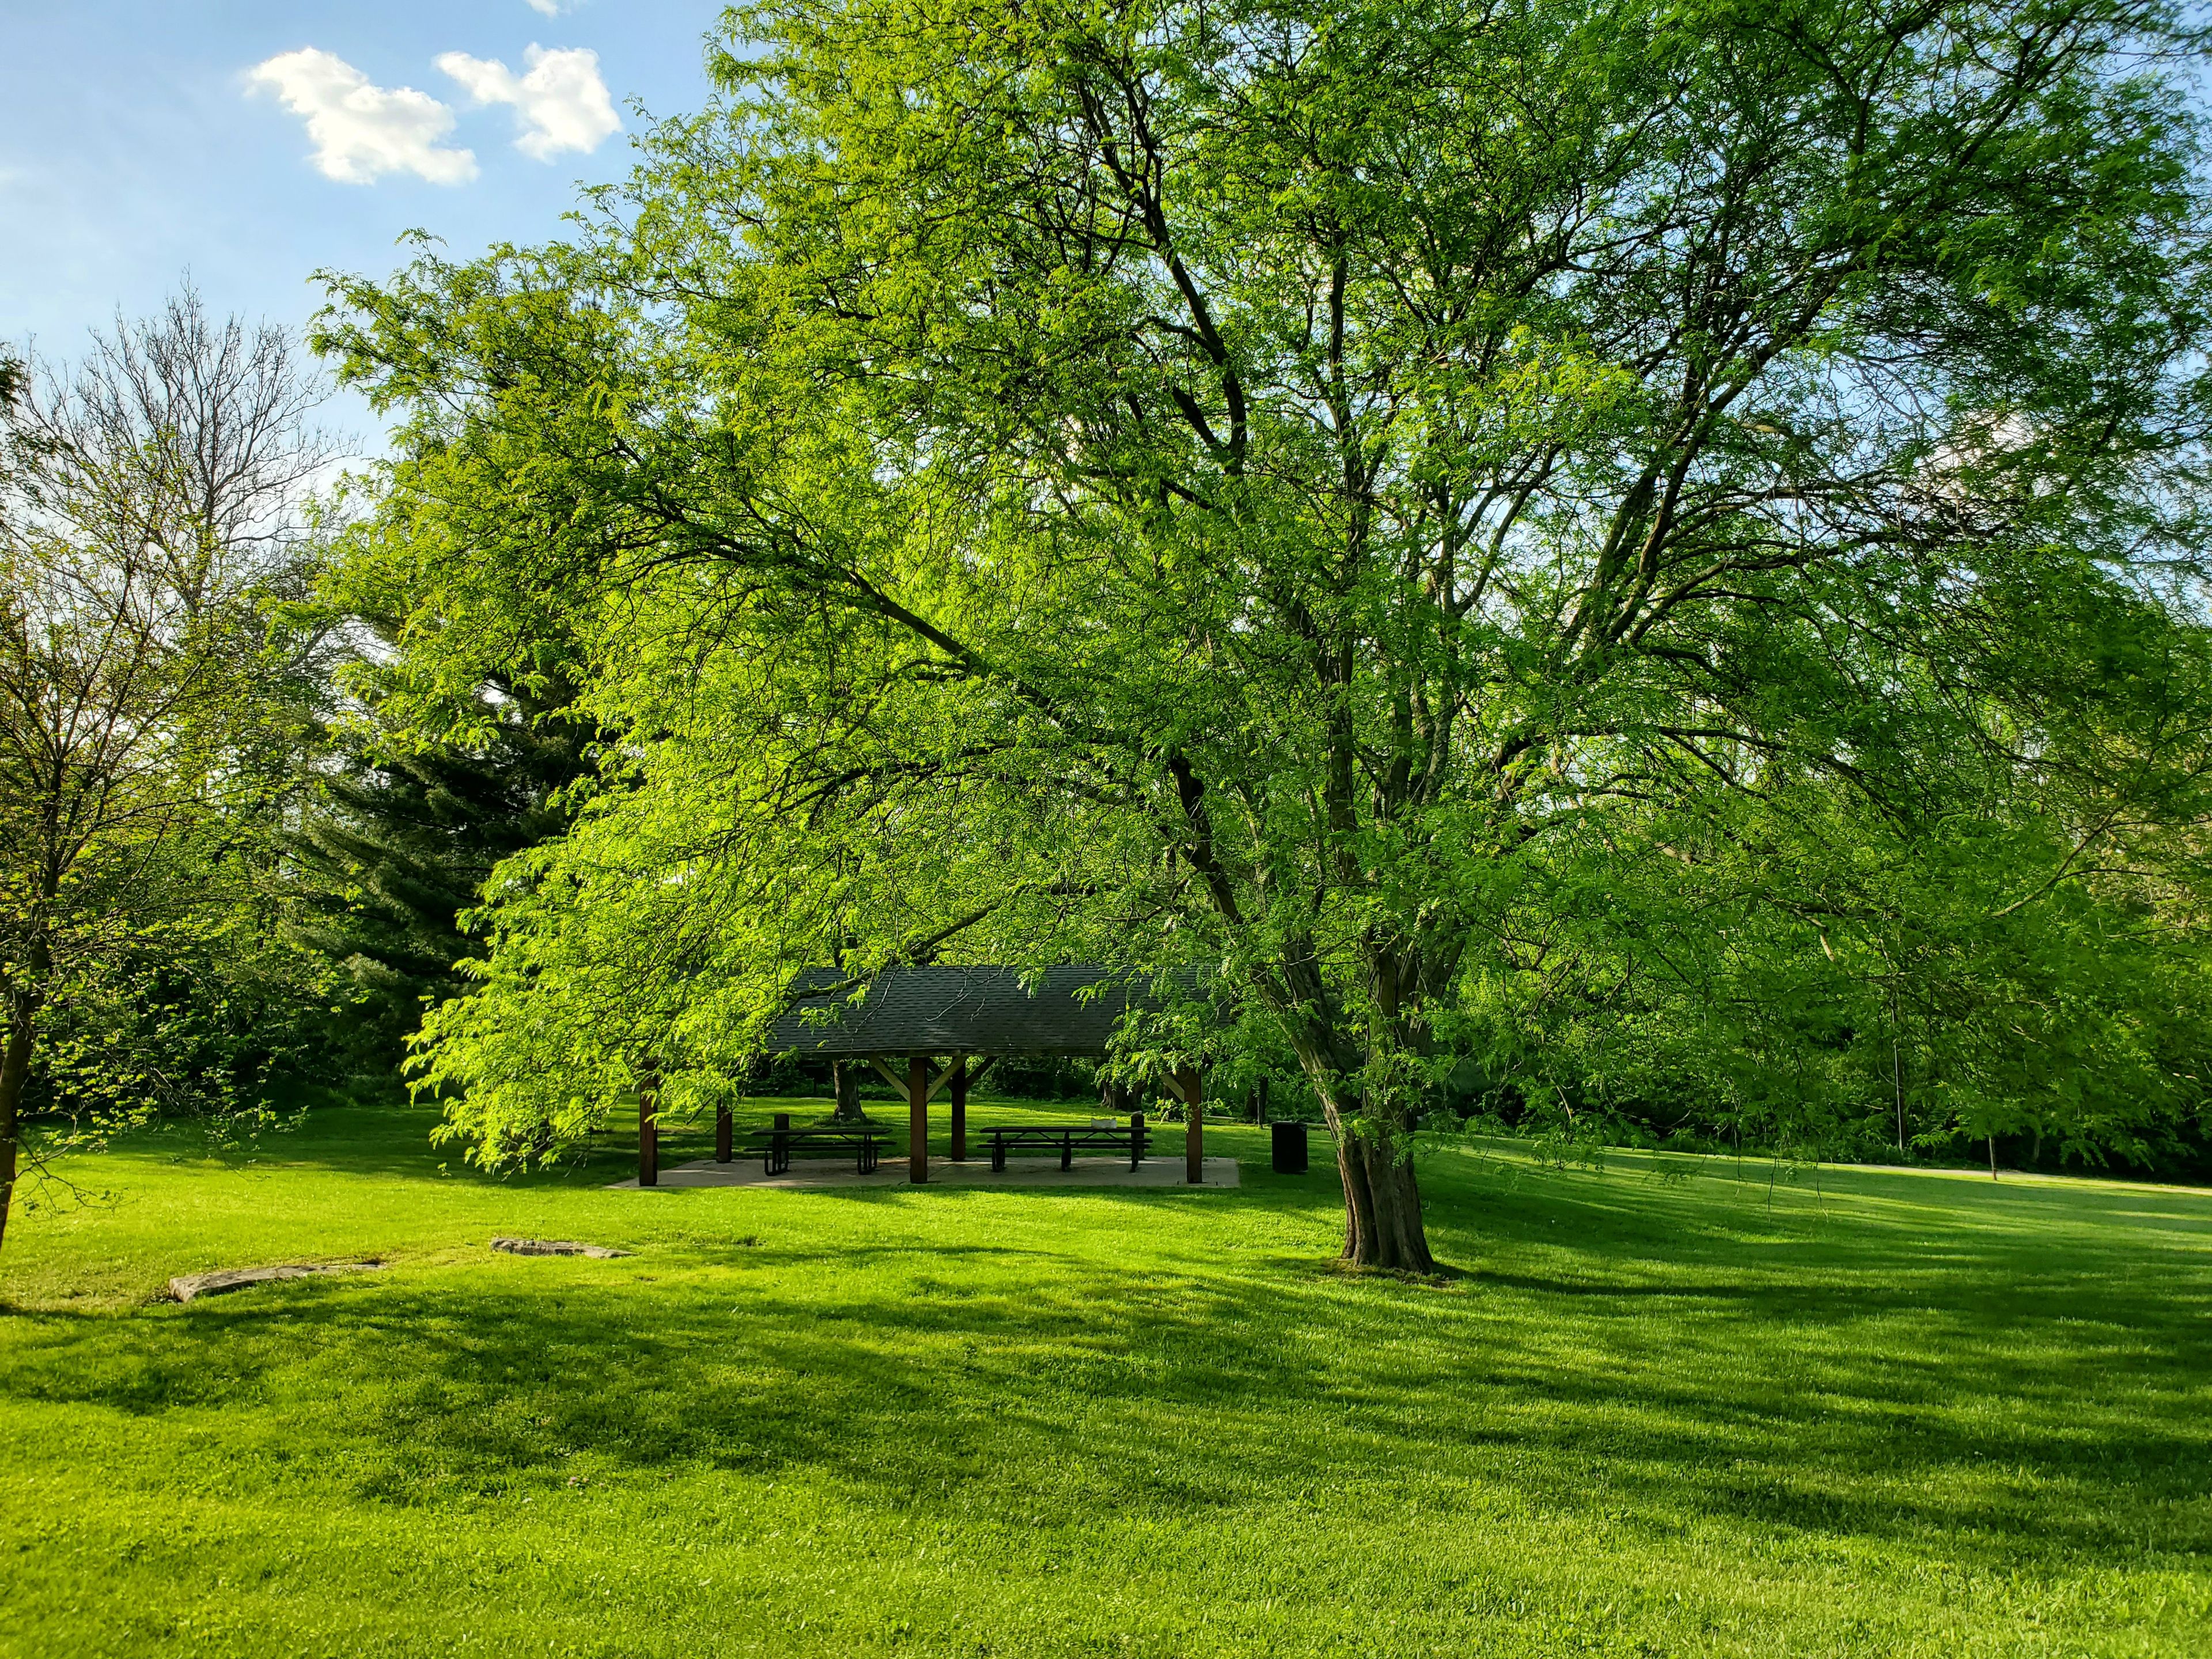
(1661, 1410)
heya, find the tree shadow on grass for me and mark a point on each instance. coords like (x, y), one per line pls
(1885, 1399)
(2004, 1380)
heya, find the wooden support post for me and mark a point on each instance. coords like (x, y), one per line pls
(960, 1109)
(917, 1099)
(722, 1133)
(1193, 1142)
(648, 1126)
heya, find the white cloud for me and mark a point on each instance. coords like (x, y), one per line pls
(562, 103)
(546, 8)
(361, 131)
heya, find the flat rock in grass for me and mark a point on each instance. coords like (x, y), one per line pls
(554, 1247)
(186, 1287)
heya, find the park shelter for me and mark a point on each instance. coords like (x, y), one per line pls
(931, 1029)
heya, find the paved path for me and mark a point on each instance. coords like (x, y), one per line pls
(943, 1172)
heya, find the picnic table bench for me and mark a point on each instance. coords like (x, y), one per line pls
(774, 1147)
(1100, 1134)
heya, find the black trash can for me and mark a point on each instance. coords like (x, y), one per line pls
(1290, 1148)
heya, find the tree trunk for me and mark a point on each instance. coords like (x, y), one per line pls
(844, 1077)
(14, 1077)
(1897, 1077)
(1382, 1226)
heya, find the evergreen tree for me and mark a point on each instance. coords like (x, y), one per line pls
(402, 844)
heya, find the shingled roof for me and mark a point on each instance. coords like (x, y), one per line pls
(953, 1011)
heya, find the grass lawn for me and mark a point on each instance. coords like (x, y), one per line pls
(1662, 1411)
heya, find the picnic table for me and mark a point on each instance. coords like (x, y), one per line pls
(1100, 1134)
(776, 1147)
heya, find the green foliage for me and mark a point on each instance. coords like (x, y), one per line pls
(208, 1016)
(1998, 931)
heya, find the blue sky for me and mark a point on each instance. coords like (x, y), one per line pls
(138, 142)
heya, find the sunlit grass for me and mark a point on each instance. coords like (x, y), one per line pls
(1661, 1409)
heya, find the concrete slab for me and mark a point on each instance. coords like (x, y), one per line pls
(556, 1247)
(818, 1173)
(190, 1287)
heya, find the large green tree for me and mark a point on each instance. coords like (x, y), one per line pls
(1219, 485)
